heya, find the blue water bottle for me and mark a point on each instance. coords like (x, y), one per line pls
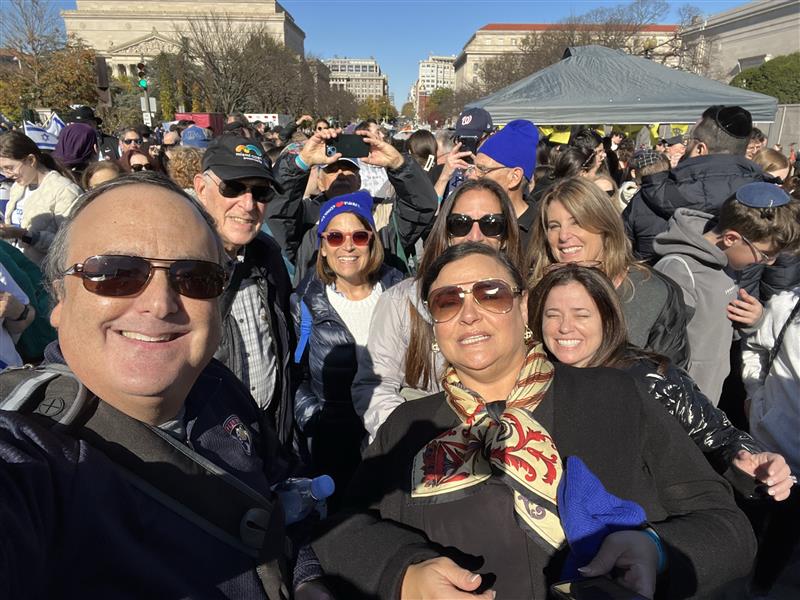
(301, 495)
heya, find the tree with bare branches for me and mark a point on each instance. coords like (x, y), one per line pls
(31, 29)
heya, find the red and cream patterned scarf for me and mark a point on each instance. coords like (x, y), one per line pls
(502, 438)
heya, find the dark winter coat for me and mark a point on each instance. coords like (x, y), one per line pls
(707, 425)
(263, 264)
(628, 441)
(702, 183)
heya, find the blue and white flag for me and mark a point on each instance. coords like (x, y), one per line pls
(55, 125)
(40, 136)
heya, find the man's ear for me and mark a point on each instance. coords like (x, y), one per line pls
(514, 178)
(701, 149)
(200, 187)
(730, 238)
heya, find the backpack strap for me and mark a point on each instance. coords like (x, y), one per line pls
(306, 326)
(159, 465)
(779, 340)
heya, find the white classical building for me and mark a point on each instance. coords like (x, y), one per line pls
(743, 37)
(496, 39)
(126, 31)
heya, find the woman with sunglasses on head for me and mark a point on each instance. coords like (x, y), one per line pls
(331, 308)
(519, 468)
(136, 161)
(44, 194)
(578, 224)
(577, 314)
(400, 364)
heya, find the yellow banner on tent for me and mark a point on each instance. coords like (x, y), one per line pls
(559, 134)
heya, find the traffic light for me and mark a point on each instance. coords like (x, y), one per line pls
(142, 74)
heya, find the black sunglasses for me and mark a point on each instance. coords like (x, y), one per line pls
(129, 142)
(118, 275)
(492, 225)
(137, 168)
(231, 188)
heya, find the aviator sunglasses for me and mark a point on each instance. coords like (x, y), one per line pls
(231, 188)
(117, 276)
(494, 295)
(360, 237)
(492, 225)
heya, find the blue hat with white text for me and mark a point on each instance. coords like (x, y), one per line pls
(359, 203)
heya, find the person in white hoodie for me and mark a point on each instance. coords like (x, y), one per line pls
(771, 375)
(755, 225)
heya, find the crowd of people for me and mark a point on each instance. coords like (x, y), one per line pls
(520, 362)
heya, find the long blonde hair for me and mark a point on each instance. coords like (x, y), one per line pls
(592, 209)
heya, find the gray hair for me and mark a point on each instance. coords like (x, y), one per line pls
(444, 140)
(55, 262)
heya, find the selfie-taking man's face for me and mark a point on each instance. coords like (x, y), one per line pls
(141, 348)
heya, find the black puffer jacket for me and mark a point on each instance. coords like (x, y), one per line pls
(702, 183)
(323, 405)
(707, 425)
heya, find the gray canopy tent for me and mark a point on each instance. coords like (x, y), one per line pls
(598, 85)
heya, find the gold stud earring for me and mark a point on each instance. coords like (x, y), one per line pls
(528, 335)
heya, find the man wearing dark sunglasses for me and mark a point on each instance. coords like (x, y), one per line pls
(235, 187)
(129, 139)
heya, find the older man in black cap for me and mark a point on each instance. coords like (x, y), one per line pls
(235, 186)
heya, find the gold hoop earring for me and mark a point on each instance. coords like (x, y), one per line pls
(528, 335)
(435, 347)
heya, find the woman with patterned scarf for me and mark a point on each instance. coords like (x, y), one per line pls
(527, 472)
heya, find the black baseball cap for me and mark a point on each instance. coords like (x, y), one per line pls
(236, 157)
(82, 114)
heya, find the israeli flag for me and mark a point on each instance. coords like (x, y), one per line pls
(40, 136)
(56, 125)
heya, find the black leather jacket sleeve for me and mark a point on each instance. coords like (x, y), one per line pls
(707, 425)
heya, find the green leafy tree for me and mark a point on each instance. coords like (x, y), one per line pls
(408, 110)
(779, 77)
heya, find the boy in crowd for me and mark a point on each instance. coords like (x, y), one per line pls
(754, 226)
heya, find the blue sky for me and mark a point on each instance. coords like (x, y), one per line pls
(400, 33)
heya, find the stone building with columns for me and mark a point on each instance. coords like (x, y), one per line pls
(126, 31)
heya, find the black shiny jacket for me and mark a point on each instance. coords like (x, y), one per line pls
(707, 425)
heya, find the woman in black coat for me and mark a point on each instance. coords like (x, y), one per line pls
(526, 471)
